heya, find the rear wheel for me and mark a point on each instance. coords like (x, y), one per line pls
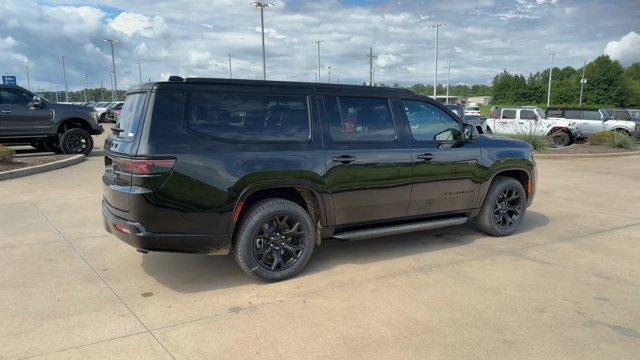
(559, 139)
(275, 239)
(39, 145)
(503, 207)
(76, 141)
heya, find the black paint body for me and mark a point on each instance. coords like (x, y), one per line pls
(190, 208)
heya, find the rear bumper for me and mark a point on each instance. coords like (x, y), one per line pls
(134, 234)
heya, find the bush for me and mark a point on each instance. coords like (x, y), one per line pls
(612, 139)
(536, 141)
(6, 154)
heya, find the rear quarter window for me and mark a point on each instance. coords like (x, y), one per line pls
(250, 118)
(131, 115)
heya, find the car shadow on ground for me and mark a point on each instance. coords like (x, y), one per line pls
(187, 273)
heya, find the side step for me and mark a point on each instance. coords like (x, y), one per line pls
(398, 229)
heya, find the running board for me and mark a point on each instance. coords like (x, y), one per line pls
(399, 229)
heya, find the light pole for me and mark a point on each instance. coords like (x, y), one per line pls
(435, 71)
(66, 87)
(101, 91)
(261, 5)
(550, 73)
(140, 72)
(329, 79)
(448, 78)
(371, 57)
(229, 58)
(113, 64)
(84, 84)
(111, 80)
(317, 42)
(583, 81)
(26, 67)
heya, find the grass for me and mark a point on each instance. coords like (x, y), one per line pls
(612, 139)
(6, 154)
(538, 142)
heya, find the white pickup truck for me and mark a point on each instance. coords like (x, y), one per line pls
(532, 120)
(591, 121)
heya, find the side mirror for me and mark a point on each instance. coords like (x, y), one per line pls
(469, 132)
(36, 103)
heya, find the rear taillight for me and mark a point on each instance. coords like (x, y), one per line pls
(142, 166)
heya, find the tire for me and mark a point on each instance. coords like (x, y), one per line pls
(39, 145)
(273, 218)
(76, 141)
(559, 139)
(52, 146)
(493, 208)
(103, 118)
(623, 131)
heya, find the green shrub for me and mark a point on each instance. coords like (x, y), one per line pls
(6, 154)
(536, 141)
(612, 139)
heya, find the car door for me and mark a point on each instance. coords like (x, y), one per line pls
(368, 164)
(591, 121)
(16, 118)
(527, 121)
(446, 170)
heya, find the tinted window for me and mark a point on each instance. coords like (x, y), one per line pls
(508, 114)
(131, 115)
(572, 114)
(14, 97)
(428, 122)
(250, 117)
(554, 113)
(528, 115)
(591, 115)
(360, 119)
(168, 115)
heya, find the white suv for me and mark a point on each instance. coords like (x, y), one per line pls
(591, 121)
(532, 120)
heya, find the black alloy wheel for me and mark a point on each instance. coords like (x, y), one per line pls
(508, 207)
(278, 243)
(503, 208)
(76, 141)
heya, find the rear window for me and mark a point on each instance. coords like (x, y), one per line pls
(131, 115)
(250, 117)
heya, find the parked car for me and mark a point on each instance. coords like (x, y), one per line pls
(113, 110)
(456, 109)
(25, 118)
(472, 109)
(101, 111)
(532, 120)
(591, 121)
(266, 170)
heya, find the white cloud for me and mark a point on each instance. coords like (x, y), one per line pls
(626, 50)
(132, 23)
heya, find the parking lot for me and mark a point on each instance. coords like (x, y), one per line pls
(567, 285)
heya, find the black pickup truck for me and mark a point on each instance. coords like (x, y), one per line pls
(25, 118)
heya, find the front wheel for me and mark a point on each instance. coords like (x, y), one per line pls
(503, 207)
(76, 141)
(274, 240)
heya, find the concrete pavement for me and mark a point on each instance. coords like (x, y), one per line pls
(566, 286)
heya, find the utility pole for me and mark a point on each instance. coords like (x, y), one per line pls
(329, 79)
(51, 86)
(435, 71)
(101, 91)
(550, 73)
(230, 73)
(448, 78)
(317, 42)
(140, 72)
(260, 5)
(84, 84)
(26, 66)
(66, 87)
(113, 64)
(371, 57)
(583, 81)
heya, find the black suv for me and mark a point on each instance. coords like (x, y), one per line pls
(25, 118)
(266, 170)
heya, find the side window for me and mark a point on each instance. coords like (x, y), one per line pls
(508, 114)
(429, 123)
(591, 115)
(554, 113)
(14, 97)
(572, 114)
(528, 115)
(250, 117)
(360, 119)
(168, 115)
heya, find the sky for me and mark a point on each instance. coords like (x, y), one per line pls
(193, 37)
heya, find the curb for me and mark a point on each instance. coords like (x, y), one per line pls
(32, 170)
(586, 156)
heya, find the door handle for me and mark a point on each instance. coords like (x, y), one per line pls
(425, 157)
(345, 159)
(6, 111)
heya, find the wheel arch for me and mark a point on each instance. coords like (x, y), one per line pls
(303, 193)
(522, 174)
(73, 122)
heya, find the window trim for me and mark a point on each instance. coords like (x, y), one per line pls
(350, 142)
(433, 141)
(143, 116)
(16, 91)
(308, 140)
